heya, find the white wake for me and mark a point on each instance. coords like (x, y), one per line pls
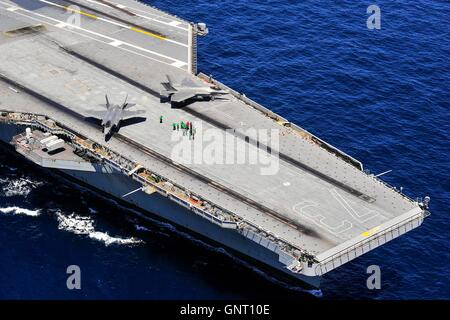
(85, 226)
(21, 211)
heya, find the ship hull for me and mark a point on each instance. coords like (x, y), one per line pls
(113, 183)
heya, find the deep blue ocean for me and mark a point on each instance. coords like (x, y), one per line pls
(383, 96)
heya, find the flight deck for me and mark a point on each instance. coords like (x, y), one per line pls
(318, 198)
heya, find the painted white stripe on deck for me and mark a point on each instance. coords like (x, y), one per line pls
(179, 64)
(116, 43)
(133, 10)
(100, 35)
(12, 9)
(114, 23)
(62, 24)
(81, 12)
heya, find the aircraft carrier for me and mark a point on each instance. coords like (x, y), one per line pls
(58, 61)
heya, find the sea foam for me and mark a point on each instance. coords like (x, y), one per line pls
(21, 211)
(85, 226)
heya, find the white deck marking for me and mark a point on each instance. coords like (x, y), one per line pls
(362, 218)
(162, 22)
(312, 211)
(62, 25)
(98, 18)
(178, 43)
(133, 10)
(178, 62)
(124, 26)
(12, 9)
(116, 43)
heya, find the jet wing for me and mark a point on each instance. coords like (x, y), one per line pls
(187, 82)
(182, 96)
(130, 114)
(130, 105)
(96, 114)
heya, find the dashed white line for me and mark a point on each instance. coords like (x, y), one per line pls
(61, 24)
(178, 62)
(174, 23)
(133, 10)
(68, 8)
(110, 21)
(116, 43)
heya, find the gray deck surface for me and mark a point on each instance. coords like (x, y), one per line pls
(76, 67)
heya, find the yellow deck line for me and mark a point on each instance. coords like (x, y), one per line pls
(371, 232)
(147, 33)
(130, 28)
(106, 20)
(82, 13)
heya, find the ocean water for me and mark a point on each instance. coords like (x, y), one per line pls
(382, 96)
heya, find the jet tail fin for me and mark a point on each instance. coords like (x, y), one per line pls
(167, 87)
(107, 101)
(170, 83)
(124, 105)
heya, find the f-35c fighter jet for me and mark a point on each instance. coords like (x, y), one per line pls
(188, 89)
(114, 115)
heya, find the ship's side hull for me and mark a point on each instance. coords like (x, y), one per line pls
(115, 184)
